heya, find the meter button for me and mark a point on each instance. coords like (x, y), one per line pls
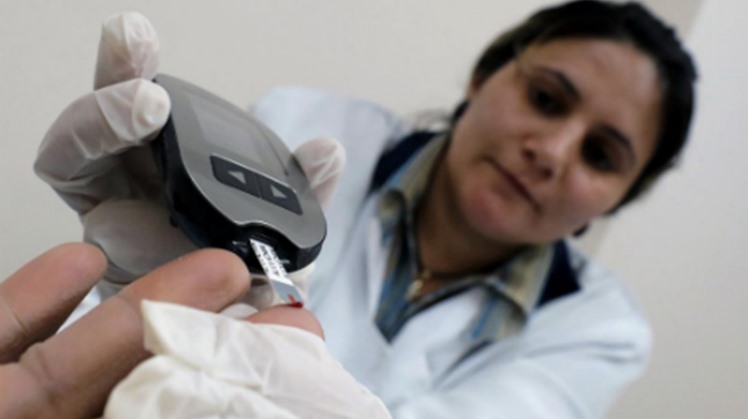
(235, 176)
(279, 194)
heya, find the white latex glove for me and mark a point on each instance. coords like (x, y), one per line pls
(96, 158)
(221, 367)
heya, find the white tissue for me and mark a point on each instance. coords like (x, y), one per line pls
(208, 365)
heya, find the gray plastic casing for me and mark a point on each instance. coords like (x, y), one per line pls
(207, 126)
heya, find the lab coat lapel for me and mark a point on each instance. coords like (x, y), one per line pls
(376, 260)
(430, 345)
(453, 318)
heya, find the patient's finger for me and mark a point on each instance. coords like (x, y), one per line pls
(289, 316)
(71, 374)
(36, 300)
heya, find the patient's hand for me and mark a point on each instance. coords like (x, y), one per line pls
(70, 374)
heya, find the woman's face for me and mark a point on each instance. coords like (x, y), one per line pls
(553, 139)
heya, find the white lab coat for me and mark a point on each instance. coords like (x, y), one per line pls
(574, 357)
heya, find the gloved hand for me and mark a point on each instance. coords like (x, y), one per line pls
(96, 158)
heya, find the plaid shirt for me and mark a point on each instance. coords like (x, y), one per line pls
(513, 288)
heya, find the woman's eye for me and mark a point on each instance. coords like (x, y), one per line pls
(544, 101)
(598, 156)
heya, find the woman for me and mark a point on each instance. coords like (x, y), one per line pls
(459, 292)
(445, 285)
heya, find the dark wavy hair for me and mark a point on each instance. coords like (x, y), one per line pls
(625, 22)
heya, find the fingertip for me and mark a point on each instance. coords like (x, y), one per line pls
(335, 154)
(208, 279)
(128, 49)
(323, 161)
(323, 149)
(127, 114)
(150, 108)
(132, 24)
(230, 266)
(235, 272)
(289, 316)
(76, 261)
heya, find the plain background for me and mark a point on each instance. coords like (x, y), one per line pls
(682, 250)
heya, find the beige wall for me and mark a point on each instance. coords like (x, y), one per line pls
(681, 251)
(684, 250)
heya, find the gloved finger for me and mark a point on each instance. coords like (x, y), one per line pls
(136, 237)
(323, 161)
(79, 155)
(36, 299)
(128, 49)
(71, 374)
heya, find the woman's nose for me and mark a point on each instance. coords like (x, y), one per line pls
(550, 151)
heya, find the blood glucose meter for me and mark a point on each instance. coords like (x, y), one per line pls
(231, 183)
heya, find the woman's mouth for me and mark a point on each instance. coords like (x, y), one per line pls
(516, 184)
